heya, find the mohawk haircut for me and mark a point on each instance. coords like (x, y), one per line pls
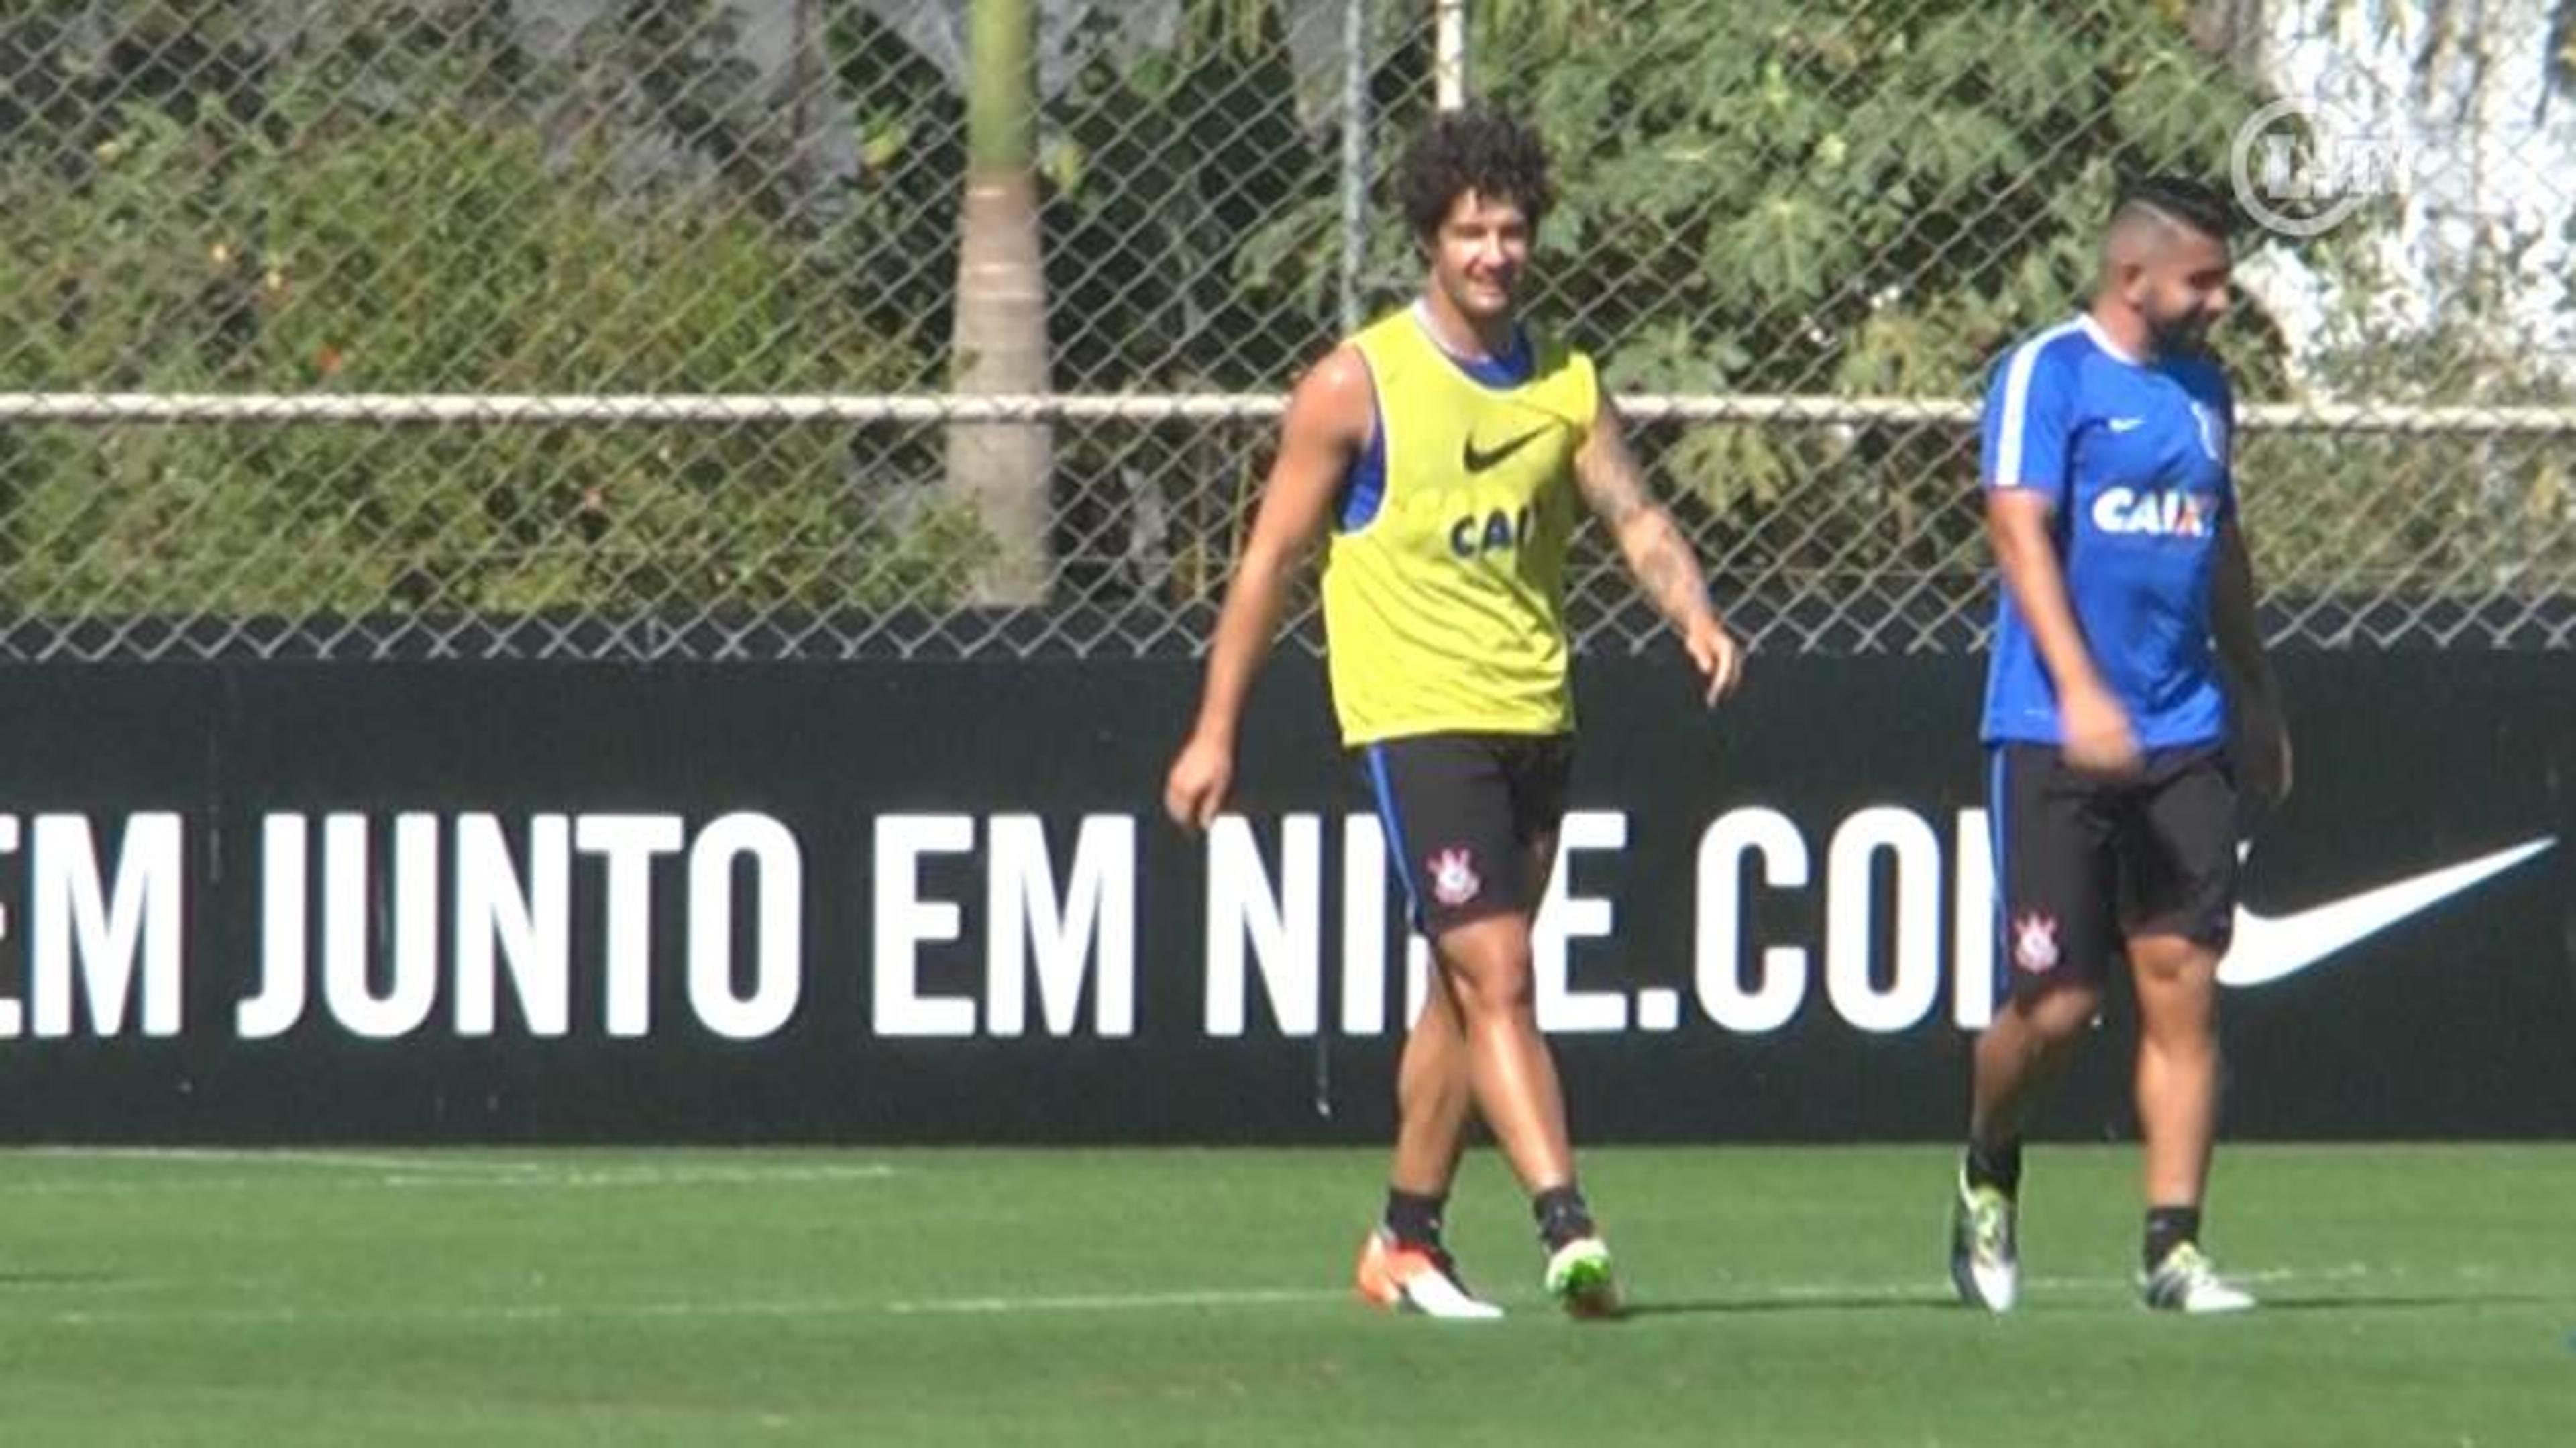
(1475, 149)
(2176, 201)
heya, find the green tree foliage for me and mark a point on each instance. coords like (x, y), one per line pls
(1774, 197)
(277, 227)
(1160, 172)
(2406, 516)
(1761, 196)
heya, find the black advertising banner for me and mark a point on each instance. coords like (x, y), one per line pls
(936, 901)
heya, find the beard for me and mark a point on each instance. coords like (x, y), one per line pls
(2183, 332)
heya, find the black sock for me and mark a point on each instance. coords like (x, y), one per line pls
(1413, 1218)
(2168, 1228)
(1562, 1215)
(1996, 1166)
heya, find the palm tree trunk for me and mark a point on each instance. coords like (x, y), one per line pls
(999, 345)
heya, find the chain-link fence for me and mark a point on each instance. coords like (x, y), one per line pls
(726, 328)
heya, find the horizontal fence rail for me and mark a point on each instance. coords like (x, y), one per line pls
(645, 329)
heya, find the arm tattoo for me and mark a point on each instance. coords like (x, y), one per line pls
(1613, 485)
(1669, 576)
(1665, 570)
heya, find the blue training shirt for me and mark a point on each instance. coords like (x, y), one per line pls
(2133, 459)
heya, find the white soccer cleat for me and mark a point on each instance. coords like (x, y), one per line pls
(1406, 1277)
(1985, 1260)
(2186, 1282)
(1580, 1278)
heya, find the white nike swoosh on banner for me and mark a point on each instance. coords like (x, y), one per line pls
(2269, 947)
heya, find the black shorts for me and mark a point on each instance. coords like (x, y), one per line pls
(1465, 815)
(2085, 864)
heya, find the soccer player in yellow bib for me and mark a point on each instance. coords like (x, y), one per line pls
(1439, 456)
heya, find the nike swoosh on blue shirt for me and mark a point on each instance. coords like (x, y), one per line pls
(2270, 947)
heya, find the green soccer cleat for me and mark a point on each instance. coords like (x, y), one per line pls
(1580, 1278)
(1985, 1262)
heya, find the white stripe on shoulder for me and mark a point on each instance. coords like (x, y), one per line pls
(2102, 339)
(2017, 373)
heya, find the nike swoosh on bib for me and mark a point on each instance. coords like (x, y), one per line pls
(1477, 460)
(2269, 947)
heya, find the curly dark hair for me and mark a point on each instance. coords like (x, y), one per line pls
(1475, 149)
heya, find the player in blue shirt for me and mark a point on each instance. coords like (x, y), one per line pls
(2125, 651)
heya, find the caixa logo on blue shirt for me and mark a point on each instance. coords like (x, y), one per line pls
(2154, 512)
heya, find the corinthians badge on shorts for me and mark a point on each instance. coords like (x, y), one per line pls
(1453, 876)
(2034, 942)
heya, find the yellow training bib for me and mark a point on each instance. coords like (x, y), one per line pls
(1444, 581)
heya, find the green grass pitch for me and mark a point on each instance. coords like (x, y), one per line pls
(2413, 1295)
